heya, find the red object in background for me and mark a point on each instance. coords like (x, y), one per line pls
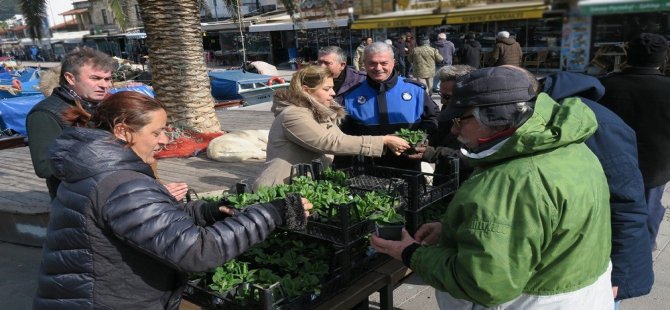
(187, 146)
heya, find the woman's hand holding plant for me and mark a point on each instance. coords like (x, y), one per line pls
(396, 144)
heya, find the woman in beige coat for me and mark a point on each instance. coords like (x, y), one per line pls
(305, 128)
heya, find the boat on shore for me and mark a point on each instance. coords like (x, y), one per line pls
(250, 88)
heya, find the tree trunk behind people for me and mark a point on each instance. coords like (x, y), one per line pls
(176, 62)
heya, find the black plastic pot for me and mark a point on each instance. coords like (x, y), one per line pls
(389, 231)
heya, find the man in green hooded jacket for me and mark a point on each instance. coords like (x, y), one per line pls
(530, 228)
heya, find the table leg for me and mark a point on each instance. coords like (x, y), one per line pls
(386, 297)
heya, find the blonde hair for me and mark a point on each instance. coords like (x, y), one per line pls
(311, 76)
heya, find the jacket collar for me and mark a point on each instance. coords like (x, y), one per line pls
(68, 95)
(386, 85)
(642, 70)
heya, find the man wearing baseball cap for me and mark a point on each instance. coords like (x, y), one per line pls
(530, 228)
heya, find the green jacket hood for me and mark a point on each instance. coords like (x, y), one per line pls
(551, 126)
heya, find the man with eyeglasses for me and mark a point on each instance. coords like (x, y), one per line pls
(443, 145)
(531, 226)
(344, 77)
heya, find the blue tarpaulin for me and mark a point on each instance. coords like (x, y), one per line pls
(13, 112)
(144, 89)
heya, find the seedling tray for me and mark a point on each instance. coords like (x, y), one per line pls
(270, 298)
(343, 227)
(414, 187)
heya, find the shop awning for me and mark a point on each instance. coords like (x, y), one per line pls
(603, 7)
(400, 19)
(288, 25)
(496, 12)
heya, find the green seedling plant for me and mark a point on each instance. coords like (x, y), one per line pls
(336, 176)
(230, 275)
(373, 202)
(387, 215)
(414, 137)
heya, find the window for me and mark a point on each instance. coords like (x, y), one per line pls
(104, 17)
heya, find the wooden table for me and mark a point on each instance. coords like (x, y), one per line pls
(382, 280)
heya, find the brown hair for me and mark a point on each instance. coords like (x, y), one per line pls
(82, 56)
(127, 107)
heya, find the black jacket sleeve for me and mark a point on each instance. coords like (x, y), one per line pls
(205, 213)
(435, 154)
(42, 130)
(143, 214)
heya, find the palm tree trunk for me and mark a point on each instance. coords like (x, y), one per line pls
(176, 62)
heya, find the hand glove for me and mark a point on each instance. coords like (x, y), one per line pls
(292, 211)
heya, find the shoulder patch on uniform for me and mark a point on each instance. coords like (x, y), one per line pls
(361, 99)
(417, 83)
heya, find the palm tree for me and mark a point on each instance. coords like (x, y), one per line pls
(176, 58)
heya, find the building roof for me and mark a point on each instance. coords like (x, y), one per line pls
(74, 11)
(66, 24)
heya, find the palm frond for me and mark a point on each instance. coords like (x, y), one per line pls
(119, 12)
(34, 11)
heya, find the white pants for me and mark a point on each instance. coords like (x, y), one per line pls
(593, 297)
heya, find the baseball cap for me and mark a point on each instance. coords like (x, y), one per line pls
(494, 86)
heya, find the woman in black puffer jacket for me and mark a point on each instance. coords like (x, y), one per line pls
(116, 237)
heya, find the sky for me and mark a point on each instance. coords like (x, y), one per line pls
(54, 7)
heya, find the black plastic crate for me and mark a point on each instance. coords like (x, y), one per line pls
(348, 264)
(349, 228)
(418, 190)
(270, 298)
(415, 186)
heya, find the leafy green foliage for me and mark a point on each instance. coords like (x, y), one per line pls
(230, 275)
(338, 177)
(387, 215)
(414, 137)
(300, 268)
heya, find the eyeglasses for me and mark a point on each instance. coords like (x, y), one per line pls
(457, 120)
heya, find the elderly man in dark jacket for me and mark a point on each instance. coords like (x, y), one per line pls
(639, 95)
(344, 78)
(507, 51)
(615, 146)
(384, 103)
